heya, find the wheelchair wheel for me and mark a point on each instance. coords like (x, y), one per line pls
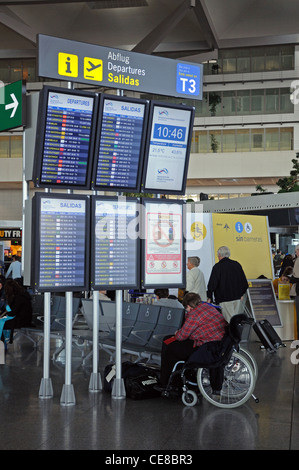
(237, 387)
(251, 359)
(189, 398)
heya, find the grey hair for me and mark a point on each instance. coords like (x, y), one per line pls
(195, 260)
(223, 251)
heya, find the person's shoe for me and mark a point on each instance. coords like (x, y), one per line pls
(216, 395)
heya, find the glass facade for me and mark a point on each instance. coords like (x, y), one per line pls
(12, 70)
(255, 59)
(261, 139)
(11, 146)
(245, 102)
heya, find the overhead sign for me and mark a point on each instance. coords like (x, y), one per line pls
(9, 233)
(80, 62)
(12, 105)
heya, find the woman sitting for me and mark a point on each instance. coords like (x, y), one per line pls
(18, 305)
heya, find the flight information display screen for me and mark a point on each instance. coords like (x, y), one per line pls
(163, 255)
(64, 139)
(168, 148)
(60, 242)
(120, 144)
(114, 243)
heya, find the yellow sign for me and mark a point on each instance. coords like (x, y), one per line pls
(198, 231)
(93, 69)
(67, 64)
(284, 291)
(247, 238)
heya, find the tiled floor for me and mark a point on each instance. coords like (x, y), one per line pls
(100, 422)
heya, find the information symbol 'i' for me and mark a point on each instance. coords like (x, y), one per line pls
(67, 64)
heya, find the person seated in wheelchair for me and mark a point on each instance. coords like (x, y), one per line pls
(203, 328)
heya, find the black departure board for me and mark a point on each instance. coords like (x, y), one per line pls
(114, 243)
(60, 242)
(119, 144)
(65, 138)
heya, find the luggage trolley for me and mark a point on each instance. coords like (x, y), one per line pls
(237, 367)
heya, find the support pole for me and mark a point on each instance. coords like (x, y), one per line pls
(46, 389)
(118, 389)
(95, 382)
(68, 396)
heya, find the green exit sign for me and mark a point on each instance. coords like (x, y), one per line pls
(12, 105)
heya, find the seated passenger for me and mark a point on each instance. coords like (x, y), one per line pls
(19, 305)
(2, 294)
(164, 300)
(203, 328)
(283, 279)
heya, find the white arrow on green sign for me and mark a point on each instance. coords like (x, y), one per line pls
(12, 105)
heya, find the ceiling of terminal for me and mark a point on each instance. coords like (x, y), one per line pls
(191, 29)
(174, 28)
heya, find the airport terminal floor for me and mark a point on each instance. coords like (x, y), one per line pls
(99, 422)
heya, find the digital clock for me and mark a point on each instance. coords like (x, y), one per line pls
(167, 148)
(169, 132)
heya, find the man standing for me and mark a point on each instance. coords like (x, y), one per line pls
(15, 269)
(295, 279)
(227, 284)
(195, 281)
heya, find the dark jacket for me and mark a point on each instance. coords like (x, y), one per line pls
(227, 281)
(21, 309)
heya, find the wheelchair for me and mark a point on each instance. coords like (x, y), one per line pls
(235, 367)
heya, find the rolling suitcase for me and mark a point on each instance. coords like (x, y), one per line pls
(267, 335)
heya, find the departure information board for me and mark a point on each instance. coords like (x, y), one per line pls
(65, 138)
(120, 144)
(168, 148)
(163, 254)
(114, 243)
(60, 242)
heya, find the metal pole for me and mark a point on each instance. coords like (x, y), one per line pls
(46, 389)
(118, 389)
(68, 396)
(95, 382)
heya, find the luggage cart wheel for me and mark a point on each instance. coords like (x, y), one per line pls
(189, 398)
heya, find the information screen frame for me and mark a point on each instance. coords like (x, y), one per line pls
(115, 286)
(176, 137)
(101, 110)
(39, 153)
(259, 305)
(36, 242)
(178, 256)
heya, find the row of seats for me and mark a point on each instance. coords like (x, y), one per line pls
(35, 333)
(143, 326)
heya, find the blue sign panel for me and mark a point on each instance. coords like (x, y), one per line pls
(188, 80)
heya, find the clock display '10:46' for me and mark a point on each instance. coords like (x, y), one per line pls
(167, 132)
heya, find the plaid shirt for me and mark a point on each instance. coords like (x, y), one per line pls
(202, 324)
